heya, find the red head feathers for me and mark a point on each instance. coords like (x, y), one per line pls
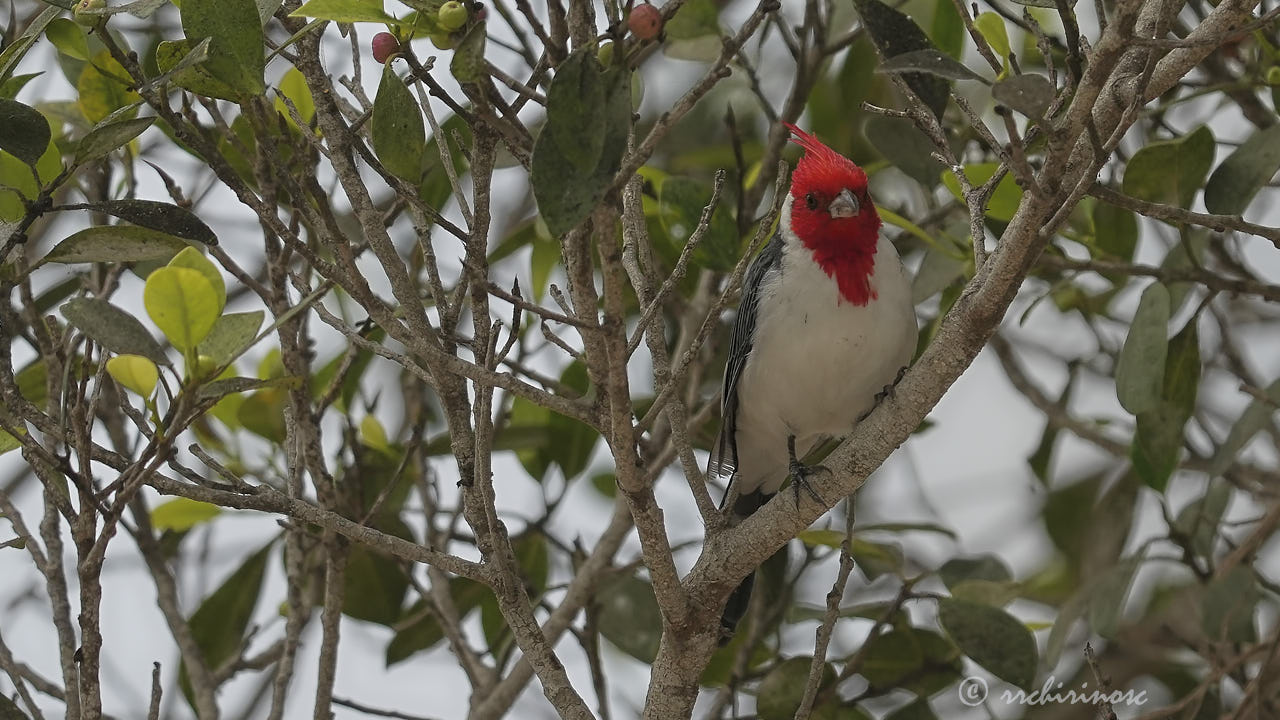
(834, 217)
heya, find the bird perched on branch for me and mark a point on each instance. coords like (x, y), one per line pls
(825, 324)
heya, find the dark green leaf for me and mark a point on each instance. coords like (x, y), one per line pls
(1229, 605)
(1254, 418)
(1109, 594)
(11, 87)
(987, 592)
(576, 94)
(1239, 178)
(26, 132)
(219, 624)
(231, 335)
(901, 143)
(890, 658)
(18, 48)
(235, 55)
(162, 216)
(566, 195)
(399, 138)
(782, 690)
(103, 88)
(947, 31)
(630, 618)
(468, 64)
(69, 38)
(1115, 231)
(1158, 441)
(262, 413)
(376, 583)
(228, 386)
(992, 638)
(1029, 94)
(113, 328)
(425, 631)
(1171, 171)
(109, 136)
(895, 34)
(1198, 521)
(1140, 368)
(978, 567)
(930, 61)
(115, 243)
(682, 201)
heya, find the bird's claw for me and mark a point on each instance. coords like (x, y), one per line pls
(800, 474)
(888, 390)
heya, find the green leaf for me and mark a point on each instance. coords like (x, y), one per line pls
(235, 55)
(219, 624)
(693, 33)
(901, 143)
(115, 243)
(399, 138)
(991, 27)
(992, 638)
(987, 592)
(8, 442)
(69, 38)
(947, 31)
(890, 658)
(566, 194)
(1140, 367)
(682, 201)
(978, 567)
(575, 95)
(26, 132)
(135, 373)
(17, 49)
(1229, 604)
(1238, 179)
(930, 61)
(1115, 231)
(425, 631)
(345, 11)
(894, 34)
(113, 328)
(181, 514)
(1029, 94)
(231, 385)
(1040, 460)
(782, 690)
(162, 216)
(1198, 521)
(1171, 171)
(11, 87)
(630, 618)
(103, 88)
(1004, 201)
(373, 435)
(376, 583)
(193, 259)
(1108, 596)
(468, 64)
(231, 335)
(1158, 440)
(262, 413)
(1254, 418)
(109, 136)
(294, 87)
(183, 304)
(183, 62)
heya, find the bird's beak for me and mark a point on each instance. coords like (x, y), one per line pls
(844, 206)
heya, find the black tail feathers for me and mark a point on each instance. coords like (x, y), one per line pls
(740, 598)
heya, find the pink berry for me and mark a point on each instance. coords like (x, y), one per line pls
(384, 46)
(645, 21)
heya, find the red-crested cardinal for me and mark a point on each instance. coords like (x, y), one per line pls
(825, 324)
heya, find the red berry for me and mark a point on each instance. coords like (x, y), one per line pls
(645, 21)
(384, 46)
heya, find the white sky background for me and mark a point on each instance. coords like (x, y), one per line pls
(968, 472)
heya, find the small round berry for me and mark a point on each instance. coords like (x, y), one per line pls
(453, 15)
(482, 12)
(384, 46)
(645, 21)
(605, 53)
(82, 13)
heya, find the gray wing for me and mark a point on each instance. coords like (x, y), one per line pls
(724, 457)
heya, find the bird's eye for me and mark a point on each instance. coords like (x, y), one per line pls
(811, 201)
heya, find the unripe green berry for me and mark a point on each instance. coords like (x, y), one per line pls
(452, 16)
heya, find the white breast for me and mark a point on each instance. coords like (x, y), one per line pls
(817, 361)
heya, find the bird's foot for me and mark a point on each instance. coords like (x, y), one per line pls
(800, 474)
(888, 390)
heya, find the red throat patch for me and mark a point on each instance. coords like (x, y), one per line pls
(844, 247)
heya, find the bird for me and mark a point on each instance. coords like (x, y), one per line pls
(825, 326)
